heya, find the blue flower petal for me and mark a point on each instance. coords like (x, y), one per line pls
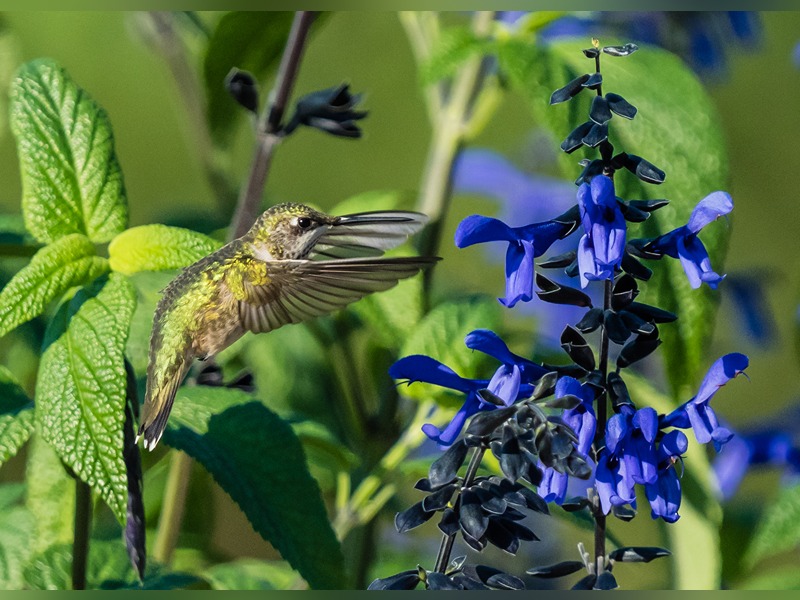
(721, 372)
(646, 420)
(419, 367)
(477, 229)
(708, 210)
(519, 273)
(505, 383)
(665, 496)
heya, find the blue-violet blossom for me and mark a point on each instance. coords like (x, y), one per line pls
(510, 382)
(524, 244)
(602, 246)
(684, 244)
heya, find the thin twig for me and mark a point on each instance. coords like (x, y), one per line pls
(80, 544)
(191, 94)
(269, 125)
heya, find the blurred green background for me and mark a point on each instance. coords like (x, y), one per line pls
(108, 54)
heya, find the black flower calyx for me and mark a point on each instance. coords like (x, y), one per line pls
(331, 110)
(243, 87)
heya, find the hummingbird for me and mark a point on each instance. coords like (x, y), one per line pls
(295, 263)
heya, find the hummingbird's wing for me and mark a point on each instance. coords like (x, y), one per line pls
(299, 290)
(366, 234)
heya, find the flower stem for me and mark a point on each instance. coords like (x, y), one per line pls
(169, 523)
(602, 417)
(446, 547)
(269, 125)
(170, 46)
(80, 544)
(450, 127)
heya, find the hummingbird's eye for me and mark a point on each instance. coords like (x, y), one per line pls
(304, 222)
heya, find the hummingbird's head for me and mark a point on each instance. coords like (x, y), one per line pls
(287, 231)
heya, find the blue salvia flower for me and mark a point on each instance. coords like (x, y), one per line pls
(697, 414)
(583, 422)
(510, 382)
(602, 246)
(664, 494)
(683, 243)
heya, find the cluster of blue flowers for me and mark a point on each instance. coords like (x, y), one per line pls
(635, 446)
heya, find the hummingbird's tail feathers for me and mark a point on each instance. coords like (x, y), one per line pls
(309, 289)
(366, 234)
(156, 408)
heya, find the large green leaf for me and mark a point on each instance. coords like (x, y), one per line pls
(49, 496)
(107, 568)
(54, 269)
(16, 527)
(158, 248)
(251, 41)
(440, 335)
(257, 459)
(71, 180)
(16, 416)
(80, 390)
(779, 528)
(251, 574)
(680, 133)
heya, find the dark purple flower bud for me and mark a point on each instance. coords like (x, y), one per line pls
(331, 110)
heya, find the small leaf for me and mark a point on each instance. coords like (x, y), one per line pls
(560, 294)
(67, 262)
(441, 334)
(251, 574)
(407, 580)
(570, 90)
(624, 50)
(80, 389)
(504, 581)
(16, 416)
(414, 516)
(779, 528)
(158, 248)
(577, 348)
(256, 458)
(71, 180)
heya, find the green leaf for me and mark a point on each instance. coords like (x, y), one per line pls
(783, 579)
(440, 335)
(80, 390)
(250, 41)
(251, 574)
(50, 496)
(16, 527)
(779, 528)
(256, 458)
(453, 48)
(107, 568)
(71, 180)
(16, 416)
(683, 137)
(53, 270)
(158, 248)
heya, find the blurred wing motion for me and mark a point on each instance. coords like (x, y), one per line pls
(301, 290)
(214, 301)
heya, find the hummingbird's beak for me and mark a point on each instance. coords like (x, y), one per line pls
(366, 234)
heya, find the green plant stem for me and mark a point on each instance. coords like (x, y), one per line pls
(169, 524)
(191, 94)
(268, 131)
(83, 524)
(369, 497)
(451, 124)
(446, 546)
